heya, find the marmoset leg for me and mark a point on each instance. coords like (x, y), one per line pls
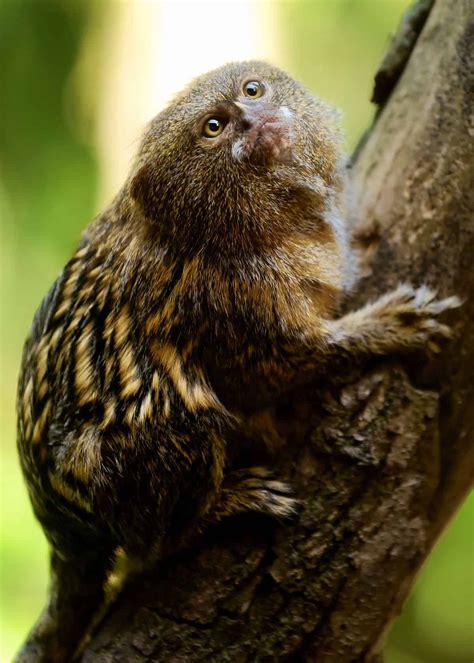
(402, 319)
(76, 594)
(253, 489)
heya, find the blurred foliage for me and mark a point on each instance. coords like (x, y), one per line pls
(48, 184)
(334, 47)
(47, 192)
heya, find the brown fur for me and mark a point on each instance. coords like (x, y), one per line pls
(206, 288)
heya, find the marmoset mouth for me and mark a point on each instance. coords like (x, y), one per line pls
(267, 134)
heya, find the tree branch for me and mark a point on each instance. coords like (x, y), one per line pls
(383, 455)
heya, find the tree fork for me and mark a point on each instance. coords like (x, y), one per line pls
(382, 456)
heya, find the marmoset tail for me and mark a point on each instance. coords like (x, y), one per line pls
(208, 287)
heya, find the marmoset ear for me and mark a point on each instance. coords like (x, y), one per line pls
(143, 190)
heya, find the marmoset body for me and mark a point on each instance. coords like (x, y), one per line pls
(205, 289)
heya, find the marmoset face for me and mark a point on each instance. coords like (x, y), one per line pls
(230, 148)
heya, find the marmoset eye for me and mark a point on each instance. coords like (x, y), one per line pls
(253, 89)
(213, 127)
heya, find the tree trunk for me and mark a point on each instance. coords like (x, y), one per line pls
(383, 455)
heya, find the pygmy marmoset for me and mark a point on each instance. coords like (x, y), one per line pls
(207, 287)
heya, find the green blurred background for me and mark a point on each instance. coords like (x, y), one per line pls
(50, 178)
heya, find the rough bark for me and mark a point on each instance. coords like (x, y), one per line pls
(383, 456)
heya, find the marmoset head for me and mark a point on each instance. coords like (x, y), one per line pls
(242, 155)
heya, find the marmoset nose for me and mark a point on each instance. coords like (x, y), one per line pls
(265, 132)
(252, 114)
